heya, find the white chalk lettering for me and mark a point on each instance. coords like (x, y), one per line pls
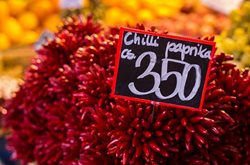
(181, 78)
(148, 72)
(176, 78)
(127, 54)
(136, 39)
(126, 39)
(187, 50)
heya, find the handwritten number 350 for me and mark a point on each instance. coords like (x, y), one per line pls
(180, 78)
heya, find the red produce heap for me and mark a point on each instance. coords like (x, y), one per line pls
(64, 114)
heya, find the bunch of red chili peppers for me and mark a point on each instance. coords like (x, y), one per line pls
(64, 113)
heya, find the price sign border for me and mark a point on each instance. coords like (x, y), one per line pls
(182, 38)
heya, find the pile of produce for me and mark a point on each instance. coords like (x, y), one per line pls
(13, 61)
(194, 20)
(236, 40)
(12, 65)
(64, 112)
(133, 11)
(21, 21)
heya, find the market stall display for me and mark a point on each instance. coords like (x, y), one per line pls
(189, 18)
(193, 21)
(64, 112)
(58, 101)
(12, 65)
(21, 24)
(236, 40)
(22, 21)
(13, 61)
(135, 11)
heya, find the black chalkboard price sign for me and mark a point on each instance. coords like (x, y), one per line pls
(162, 68)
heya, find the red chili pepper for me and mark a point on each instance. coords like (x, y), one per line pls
(147, 134)
(200, 129)
(146, 149)
(138, 151)
(154, 146)
(190, 128)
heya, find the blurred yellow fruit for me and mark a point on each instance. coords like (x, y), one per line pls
(241, 42)
(228, 45)
(55, 3)
(4, 10)
(218, 39)
(114, 3)
(12, 29)
(171, 4)
(144, 15)
(148, 3)
(4, 41)
(238, 32)
(139, 10)
(29, 37)
(247, 49)
(86, 3)
(52, 22)
(245, 59)
(42, 8)
(28, 20)
(164, 12)
(154, 4)
(206, 30)
(17, 6)
(131, 5)
(210, 19)
(112, 14)
(127, 19)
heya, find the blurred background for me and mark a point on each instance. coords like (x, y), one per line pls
(26, 24)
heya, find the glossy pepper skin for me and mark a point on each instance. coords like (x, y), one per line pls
(64, 113)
